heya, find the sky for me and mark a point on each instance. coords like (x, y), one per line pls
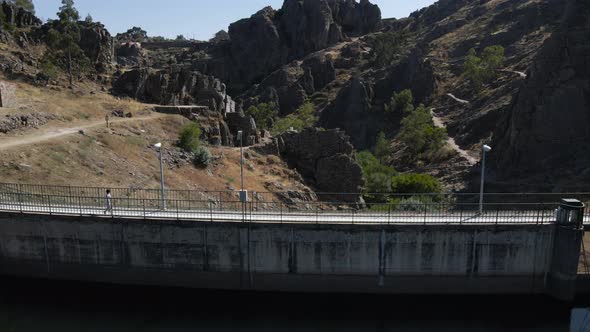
(198, 19)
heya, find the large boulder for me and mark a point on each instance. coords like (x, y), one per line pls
(325, 158)
(548, 129)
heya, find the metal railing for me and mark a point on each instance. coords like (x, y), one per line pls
(269, 207)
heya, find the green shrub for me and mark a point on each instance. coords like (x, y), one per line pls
(401, 102)
(49, 70)
(413, 204)
(190, 137)
(304, 117)
(377, 177)
(263, 114)
(415, 184)
(202, 157)
(481, 70)
(382, 149)
(419, 134)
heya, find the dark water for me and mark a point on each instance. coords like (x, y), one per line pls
(33, 305)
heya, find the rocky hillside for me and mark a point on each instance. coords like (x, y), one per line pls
(346, 61)
(423, 93)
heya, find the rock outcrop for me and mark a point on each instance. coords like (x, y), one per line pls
(18, 16)
(98, 45)
(267, 40)
(326, 161)
(178, 86)
(351, 112)
(549, 125)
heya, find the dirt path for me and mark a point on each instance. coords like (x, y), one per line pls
(451, 141)
(52, 133)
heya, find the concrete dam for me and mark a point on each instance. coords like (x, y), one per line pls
(527, 258)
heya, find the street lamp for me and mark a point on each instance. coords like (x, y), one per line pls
(241, 139)
(485, 149)
(158, 146)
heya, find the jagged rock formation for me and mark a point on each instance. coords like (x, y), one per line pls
(204, 98)
(549, 124)
(290, 86)
(98, 45)
(262, 43)
(326, 161)
(18, 16)
(178, 86)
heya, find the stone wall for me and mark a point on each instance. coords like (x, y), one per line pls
(485, 259)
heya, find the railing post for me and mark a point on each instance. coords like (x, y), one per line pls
(281, 211)
(317, 214)
(460, 214)
(80, 205)
(425, 212)
(211, 211)
(389, 214)
(497, 215)
(49, 204)
(143, 203)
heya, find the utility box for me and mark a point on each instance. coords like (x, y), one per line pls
(244, 196)
(570, 212)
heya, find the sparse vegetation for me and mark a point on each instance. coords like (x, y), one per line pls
(263, 114)
(480, 70)
(304, 117)
(190, 137)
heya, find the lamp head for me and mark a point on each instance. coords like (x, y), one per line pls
(158, 145)
(487, 148)
(240, 133)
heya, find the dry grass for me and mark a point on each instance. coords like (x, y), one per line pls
(121, 156)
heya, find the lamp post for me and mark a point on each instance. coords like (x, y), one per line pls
(485, 149)
(241, 139)
(158, 146)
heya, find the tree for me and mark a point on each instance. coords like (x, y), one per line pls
(481, 70)
(180, 37)
(68, 37)
(88, 19)
(419, 133)
(381, 147)
(401, 102)
(304, 117)
(263, 114)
